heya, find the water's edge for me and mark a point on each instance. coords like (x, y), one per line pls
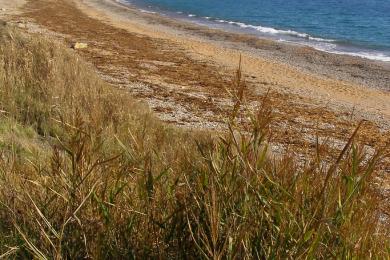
(280, 35)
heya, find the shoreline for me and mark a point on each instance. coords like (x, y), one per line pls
(281, 35)
(350, 68)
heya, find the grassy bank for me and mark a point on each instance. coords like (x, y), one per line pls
(86, 171)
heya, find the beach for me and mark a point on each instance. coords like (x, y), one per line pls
(182, 71)
(130, 133)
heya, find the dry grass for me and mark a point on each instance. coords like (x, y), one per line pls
(87, 172)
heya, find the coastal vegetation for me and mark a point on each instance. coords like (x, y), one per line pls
(86, 171)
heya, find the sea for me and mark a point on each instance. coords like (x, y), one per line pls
(352, 27)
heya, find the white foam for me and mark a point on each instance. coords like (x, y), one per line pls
(264, 29)
(146, 11)
(271, 30)
(332, 48)
(191, 15)
(320, 39)
(124, 2)
(366, 55)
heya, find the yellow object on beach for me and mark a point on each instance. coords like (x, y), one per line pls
(79, 45)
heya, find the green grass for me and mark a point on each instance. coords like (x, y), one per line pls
(88, 172)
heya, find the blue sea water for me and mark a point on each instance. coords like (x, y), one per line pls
(355, 27)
